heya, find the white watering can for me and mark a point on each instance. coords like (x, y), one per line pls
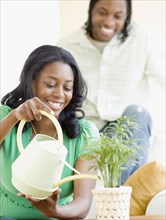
(37, 170)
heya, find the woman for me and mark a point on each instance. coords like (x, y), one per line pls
(50, 81)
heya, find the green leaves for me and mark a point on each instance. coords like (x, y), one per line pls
(114, 151)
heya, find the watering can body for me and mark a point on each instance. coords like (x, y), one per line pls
(39, 166)
(37, 170)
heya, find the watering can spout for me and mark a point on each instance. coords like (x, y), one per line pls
(75, 177)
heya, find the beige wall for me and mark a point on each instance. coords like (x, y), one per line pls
(150, 13)
(73, 13)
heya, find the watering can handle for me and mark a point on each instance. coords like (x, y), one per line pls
(52, 118)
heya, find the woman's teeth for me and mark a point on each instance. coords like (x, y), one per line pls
(55, 104)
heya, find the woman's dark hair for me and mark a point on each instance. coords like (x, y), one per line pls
(36, 61)
(125, 34)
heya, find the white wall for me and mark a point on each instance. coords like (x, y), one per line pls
(25, 25)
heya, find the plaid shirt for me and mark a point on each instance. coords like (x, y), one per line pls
(119, 76)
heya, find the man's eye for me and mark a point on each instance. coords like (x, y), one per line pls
(120, 17)
(102, 13)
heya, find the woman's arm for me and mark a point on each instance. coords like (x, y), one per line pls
(78, 208)
(7, 124)
(29, 110)
(81, 203)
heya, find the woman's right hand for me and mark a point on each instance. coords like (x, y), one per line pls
(29, 110)
(49, 207)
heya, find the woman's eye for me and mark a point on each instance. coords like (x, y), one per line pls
(68, 89)
(50, 85)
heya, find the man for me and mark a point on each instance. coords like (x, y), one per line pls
(118, 64)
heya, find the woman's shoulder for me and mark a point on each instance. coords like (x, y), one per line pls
(4, 110)
(88, 127)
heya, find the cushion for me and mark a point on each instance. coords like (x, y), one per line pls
(146, 182)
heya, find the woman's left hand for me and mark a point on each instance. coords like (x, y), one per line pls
(49, 206)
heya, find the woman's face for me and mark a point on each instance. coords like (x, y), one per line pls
(108, 18)
(54, 86)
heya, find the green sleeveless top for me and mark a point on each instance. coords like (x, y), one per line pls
(18, 207)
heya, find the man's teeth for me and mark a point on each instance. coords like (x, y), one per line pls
(55, 104)
(106, 30)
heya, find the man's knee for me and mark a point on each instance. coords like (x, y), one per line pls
(138, 112)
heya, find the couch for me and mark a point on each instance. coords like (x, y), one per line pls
(148, 191)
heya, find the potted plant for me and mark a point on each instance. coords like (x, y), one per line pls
(110, 154)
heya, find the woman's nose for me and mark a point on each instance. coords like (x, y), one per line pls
(59, 91)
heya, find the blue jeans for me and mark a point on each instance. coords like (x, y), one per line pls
(143, 118)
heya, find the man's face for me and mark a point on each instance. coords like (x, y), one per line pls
(108, 18)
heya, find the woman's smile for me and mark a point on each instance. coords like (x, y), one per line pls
(54, 105)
